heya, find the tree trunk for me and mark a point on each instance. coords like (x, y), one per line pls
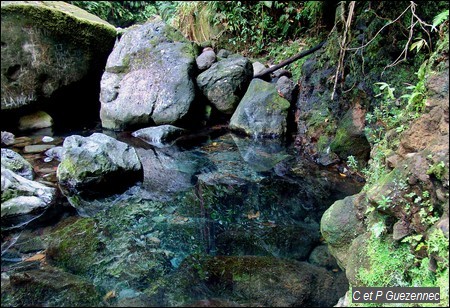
(269, 70)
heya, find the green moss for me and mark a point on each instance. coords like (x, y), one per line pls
(82, 28)
(387, 264)
(74, 247)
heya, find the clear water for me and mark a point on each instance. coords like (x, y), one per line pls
(219, 220)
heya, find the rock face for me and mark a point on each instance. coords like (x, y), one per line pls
(46, 46)
(350, 138)
(97, 164)
(225, 82)
(148, 78)
(261, 112)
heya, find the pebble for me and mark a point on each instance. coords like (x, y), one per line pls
(47, 139)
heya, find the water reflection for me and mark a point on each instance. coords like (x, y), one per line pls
(229, 219)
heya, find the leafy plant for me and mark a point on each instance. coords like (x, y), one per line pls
(352, 162)
(440, 18)
(384, 203)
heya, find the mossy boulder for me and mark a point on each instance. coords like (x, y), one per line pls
(341, 224)
(262, 111)
(148, 78)
(47, 45)
(97, 165)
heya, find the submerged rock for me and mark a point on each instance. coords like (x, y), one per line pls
(262, 112)
(48, 287)
(148, 78)
(252, 281)
(96, 165)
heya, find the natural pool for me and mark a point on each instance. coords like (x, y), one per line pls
(219, 220)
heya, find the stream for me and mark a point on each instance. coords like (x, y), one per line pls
(219, 220)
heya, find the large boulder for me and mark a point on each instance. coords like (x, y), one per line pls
(47, 45)
(97, 165)
(340, 225)
(261, 112)
(225, 82)
(148, 78)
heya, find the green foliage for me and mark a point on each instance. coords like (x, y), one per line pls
(384, 203)
(119, 13)
(352, 162)
(440, 18)
(386, 264)
(254, 26)
(437, 169)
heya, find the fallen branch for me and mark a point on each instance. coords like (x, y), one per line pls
(288, 61)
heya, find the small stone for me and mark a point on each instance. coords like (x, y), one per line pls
(400, 230)
(7, 138)
(47, 139)
(37, 148)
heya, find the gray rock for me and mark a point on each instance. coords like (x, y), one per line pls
(286, 88)
(7, 138)
(261, 154)
(262, 112)
(168, 171)
(159, 135)
(97, 165)
(206, 59)
(223, 53)
(37, 148)
(22, 200)
(55, 153)
(148, 78)
(16, 163)
(37, 120)
(225, 82)
(47, 46)
(258, 67)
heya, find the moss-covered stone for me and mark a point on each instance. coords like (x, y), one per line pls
(350, 139)
(261, 112)
(47, 45)
(49, 287)
(74, 246)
